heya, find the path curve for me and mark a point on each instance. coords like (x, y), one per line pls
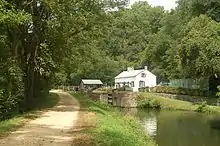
(52, 128)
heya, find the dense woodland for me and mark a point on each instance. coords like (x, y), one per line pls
(58, 42)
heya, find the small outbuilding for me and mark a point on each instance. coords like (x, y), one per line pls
(90, 84)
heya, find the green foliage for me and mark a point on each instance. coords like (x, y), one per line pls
(144, 89)
(202, 108)
(61, 42)
(193, 8)
(218, 95)
(43, 43)
(199, 49)
(10, 16)
(175, 44)
(149, 103)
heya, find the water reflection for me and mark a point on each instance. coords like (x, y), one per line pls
(150, 125)
(175, 128)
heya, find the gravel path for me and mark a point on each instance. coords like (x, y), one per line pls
(53, 128)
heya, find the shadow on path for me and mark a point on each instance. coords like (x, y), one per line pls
(55, 127)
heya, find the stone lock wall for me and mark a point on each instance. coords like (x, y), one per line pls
(125, 99)
(103, 97)
(119, 99)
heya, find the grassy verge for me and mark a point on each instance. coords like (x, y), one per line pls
(172, 104)
(113, 129)
(19, 120)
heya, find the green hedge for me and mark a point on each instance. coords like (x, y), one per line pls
(144, 89)
(181, 91)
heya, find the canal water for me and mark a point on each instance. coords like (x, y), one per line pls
(177, 128)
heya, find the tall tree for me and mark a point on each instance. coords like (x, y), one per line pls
(199, 50)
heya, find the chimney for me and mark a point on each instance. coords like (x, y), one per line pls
(130, 68)
(146, 68)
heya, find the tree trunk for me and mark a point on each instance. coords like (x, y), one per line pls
(33, 78)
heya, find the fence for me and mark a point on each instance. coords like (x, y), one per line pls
(202, 84)
(68, 88)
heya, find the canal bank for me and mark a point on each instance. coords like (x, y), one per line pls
(151, 100)
(113, 128)
(175, 125)
(125, 99)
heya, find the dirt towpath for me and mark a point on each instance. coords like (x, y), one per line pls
(53, 128)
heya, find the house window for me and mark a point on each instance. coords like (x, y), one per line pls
(132, 84)
(143, 75)
(141, 84)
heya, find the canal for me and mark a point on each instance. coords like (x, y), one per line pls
(177, 128)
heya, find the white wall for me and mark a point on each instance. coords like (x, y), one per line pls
(150, 80)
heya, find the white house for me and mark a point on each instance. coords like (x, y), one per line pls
(136, 79)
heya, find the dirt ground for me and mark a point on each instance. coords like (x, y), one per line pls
(62, 125)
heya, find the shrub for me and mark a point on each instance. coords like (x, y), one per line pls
(141, 90)
(9, 104)
(144, 89)
(149, 103)
(202, 107)
(155, 104)
(144, 103)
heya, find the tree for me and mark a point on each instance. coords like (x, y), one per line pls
(130, 31)
(194, 8)
(34, 41)
(199, 50)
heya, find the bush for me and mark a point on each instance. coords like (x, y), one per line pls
(144, 89)
(9, 105)
(202, 107)
(155, 104)
(181, 91)
(149, 103)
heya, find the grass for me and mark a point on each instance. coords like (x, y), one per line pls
(113, 128)
(173, 104)
(17, 121)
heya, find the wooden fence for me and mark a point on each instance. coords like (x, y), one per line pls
(68, 88)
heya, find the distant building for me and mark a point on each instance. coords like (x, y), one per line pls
(136, 79)
(90, 84)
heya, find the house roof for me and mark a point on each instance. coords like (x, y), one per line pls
(133, 73)
(92, 82)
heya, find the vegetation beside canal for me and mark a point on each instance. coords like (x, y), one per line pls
(150, 100)
(113, 128)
